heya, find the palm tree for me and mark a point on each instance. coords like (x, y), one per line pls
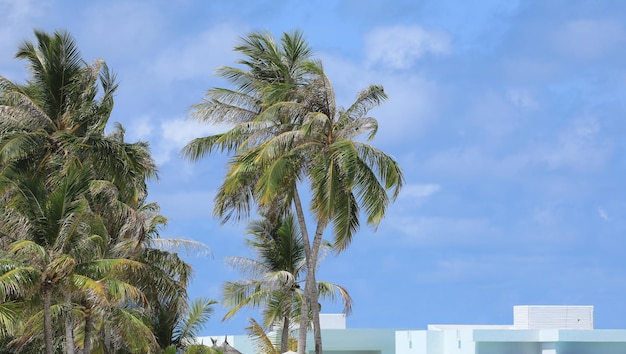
(53, 225)
(276, 275)
(288, 131)
(48, 125)
(60, 114)
(273, 73)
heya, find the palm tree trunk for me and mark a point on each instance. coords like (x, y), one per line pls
(304, 310)
(284, 336)
(106, 334)
(310, 288)
(88, 325)
(47, 318)
(69, 326)
(312, 282)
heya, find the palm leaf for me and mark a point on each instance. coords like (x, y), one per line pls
(194, 319)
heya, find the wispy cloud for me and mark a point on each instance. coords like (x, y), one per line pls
(399, 47)
(579, 147)
(198, 56)
(442, 230)
(589, 38)
(603, 215)
(176, 133)
(414, 100)
(419, 190)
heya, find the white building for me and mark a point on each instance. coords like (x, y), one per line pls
(535, 330)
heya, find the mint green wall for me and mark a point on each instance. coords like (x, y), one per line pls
(462, 341)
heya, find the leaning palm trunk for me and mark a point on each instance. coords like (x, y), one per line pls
(312, 284)
(47, 319)
(304, 314)
(88, 325)
(69, 326)
(284, 335)
(310, 303)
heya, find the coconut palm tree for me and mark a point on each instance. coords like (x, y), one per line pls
(285, 132)
(53, 226)
(61, 113)
(272, 73)
(275, 276)
(49, 127)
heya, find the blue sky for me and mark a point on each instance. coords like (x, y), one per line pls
(507, 117)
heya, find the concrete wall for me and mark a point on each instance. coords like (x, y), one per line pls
(435, 342)
(483, 341)
(591, 348)
(346, 341)
(509, 348)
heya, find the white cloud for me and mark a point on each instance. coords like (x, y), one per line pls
(176, 133)
(413, 99)
(588, 39)
(399, 47)
(442, 230)
(578, 147)
(198, 56)
(497, 113)
(181, 131)
(603, 215)
(140, 128)
(419, 190)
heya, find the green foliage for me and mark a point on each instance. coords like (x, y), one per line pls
(287, 134)
(80, 262)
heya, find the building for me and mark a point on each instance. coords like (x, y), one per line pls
(535, 330)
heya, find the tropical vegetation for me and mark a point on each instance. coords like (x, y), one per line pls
(275, 279)
(289, 140)
(81, 267)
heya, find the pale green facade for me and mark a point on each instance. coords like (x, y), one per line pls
(536, 330)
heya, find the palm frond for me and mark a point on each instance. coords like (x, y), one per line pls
(333, 292)
(189, 247)
(263, 343)
(194, 319)
(10, 318)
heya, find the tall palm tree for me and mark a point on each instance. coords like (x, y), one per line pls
(54, 224)
(61, 113)
(275, 276)
(287, 131)
(49, 126)
(272, 73)
(346, 176)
